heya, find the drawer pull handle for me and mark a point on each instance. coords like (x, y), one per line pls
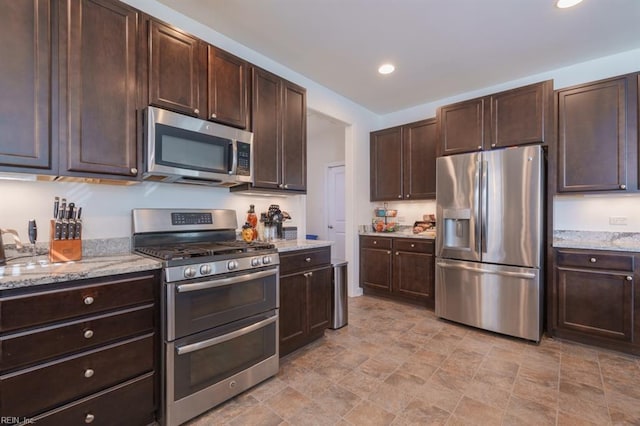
(308, 259)
(88, 334)
(88, 373)
(629, 278)
(89, 418)
(308, 274)
(593, 260)
(88, 300)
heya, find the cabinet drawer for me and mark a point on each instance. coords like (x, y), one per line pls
(105, 408)
(99, 296)
(375, 242)
(595, 260)
(21, 349)
(304, 259)
(35, 390)
(413, 245)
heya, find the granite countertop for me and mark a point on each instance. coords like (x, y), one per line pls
(100, 258)
(291, 245)
(594, 240)
(428, 235)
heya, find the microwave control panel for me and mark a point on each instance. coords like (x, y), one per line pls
(244, 159)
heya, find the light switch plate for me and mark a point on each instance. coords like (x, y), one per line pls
(617, 220)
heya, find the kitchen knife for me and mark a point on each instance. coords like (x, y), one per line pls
(63, 221)
(79, 224)
(71, 222)
(56, 204)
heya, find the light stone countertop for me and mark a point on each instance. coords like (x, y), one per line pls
(402, 234)
(291, 245)
(595, 240)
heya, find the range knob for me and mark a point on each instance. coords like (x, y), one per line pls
(189, 272)
(255, 261)
(205, 269)
(266, 260)
(231, 265)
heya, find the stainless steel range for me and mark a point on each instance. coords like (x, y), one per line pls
(219, 303)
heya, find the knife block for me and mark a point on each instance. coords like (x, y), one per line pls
(63, 250)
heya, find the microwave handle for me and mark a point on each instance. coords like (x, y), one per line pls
(234, 157)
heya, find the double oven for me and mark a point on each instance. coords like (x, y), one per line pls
(219, 307)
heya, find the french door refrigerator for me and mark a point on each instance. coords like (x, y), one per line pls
(489, 241)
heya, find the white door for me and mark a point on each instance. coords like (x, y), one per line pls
(336, 210)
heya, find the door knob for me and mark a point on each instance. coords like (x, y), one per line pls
(330, 226)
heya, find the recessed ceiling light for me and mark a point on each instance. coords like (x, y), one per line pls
(563, 4)
(386, 69)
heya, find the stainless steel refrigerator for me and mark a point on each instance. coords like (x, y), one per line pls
(489, 240)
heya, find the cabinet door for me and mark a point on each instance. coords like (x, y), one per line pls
(98, 70)
(419, 143)
(375, 269)
(597, 136)
(177, 78)
(461, 126)
(266, 129)
(227, 88)
(294, 137)
(595, 303)
(318, 300)
(413, 275)
(293, 299)
(386, 164)
(522, 116)
(25, 84)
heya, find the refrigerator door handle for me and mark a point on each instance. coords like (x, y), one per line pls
(526, 275)
(484, 214)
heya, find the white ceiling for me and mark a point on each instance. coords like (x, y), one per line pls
(440, 48)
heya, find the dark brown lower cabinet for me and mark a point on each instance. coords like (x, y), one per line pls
(401, 268)
(594, 298)
(305, 296)
(79, 363)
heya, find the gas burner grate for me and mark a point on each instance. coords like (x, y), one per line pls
(195, 250)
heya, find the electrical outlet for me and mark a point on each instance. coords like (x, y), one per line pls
(618, 220)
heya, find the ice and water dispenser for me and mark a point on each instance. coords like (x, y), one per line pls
(457, 227)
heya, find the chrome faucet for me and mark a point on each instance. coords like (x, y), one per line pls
(14, 235)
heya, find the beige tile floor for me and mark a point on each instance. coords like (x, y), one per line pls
(395, 364)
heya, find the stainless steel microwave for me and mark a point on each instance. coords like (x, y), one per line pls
(184, 149)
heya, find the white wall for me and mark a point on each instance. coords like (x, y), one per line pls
(325, 145)
(592, 212)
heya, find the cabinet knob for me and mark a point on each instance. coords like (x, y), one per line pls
(593, 260)
(213, 115)
(88, 373)
(286, 186)
(375, 242)
(629, 278)
(400, 196)
(408, 196)
(134, 171)
(89, 418)
(308, 259)
(479, 146)
(281, 186)
(196, 111)
(493, 145)
(388, 252)
(397, 253)
(623, 186)
(413, 245)
(88, 334)
(308, 274)
(88, 300)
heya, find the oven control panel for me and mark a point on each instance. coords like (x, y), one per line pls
(191, 218)
(209, 269)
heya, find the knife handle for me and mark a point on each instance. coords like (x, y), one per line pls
(33, 231)
(78, 234)
(64, 229)
(58, 230)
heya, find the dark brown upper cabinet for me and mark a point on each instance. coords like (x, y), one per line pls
(279, 132)
(98, 70)
(177, 70)
(25, 84)
(228, 81)
(514, 117)
(598, 136)
(403, 162)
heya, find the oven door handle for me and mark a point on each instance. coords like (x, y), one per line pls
(181, 350)
(183, 288)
